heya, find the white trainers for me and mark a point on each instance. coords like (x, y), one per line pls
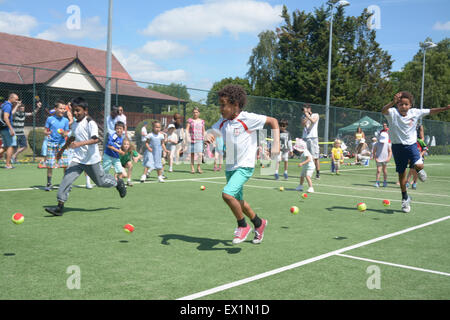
(406, 205)
(311, 190)
(422, 175)
(299, 187)
(143, 177)
(161, 179)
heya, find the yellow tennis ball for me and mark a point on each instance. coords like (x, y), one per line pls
(202, 188)
(17, 218)
(281, 188)
(362, 206)
(295, 210)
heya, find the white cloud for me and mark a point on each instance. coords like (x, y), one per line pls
(442, 26)
(142, 69)
(164, 49)
(16, 23)
(90, 28)
(213, 18)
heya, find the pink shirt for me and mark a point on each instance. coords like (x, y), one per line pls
(196, 129)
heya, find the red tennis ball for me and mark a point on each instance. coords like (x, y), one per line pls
(128, 228)
(17, 218)
(386, 203)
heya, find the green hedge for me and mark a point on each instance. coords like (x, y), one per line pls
(40, 136)
(444, 150)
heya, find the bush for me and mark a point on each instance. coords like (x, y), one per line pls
(40, 136)
(444, 150)
(137, 131)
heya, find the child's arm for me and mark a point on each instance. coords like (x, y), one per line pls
(437, 110)
(69, 141)
(164, 146)
(273, 123)
(391, 104)
(119, 151)
(147, 145)
(308, 159)
(389, 154)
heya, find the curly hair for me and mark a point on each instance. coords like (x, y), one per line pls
(235, 94)
(407, 95)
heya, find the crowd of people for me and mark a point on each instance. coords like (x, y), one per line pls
(72, 144)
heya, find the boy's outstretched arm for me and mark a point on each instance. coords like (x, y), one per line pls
(437, 110)
(385, 109)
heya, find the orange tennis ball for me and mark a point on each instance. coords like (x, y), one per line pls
(295, 210)
(386, 203)
(362, 206)
(304, 195)
(202, 188)
(128, 228)
(17, 218)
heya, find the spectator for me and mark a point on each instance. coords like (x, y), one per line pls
(196, 129)
(7, 132)
(144, 134)
(172, 140)
(179, 130)
(382, 153)
(362, 152)
(310, 122)
(111, 121)
(122, 118)
(359, 134)
(19, 116)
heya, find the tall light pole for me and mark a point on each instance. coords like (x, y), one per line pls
(425, 46)
(338, 4)
(108, 72)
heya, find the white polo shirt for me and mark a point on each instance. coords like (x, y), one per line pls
(83, 131)
(310, 130)
(403, 130)
(240, 139)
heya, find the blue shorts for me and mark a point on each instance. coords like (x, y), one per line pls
(404, 154)
(196, 147)
(8, 140)
(109, 162)
(21, 141)
(236, 180)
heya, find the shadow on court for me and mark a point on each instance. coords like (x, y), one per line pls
(384, 211)
(204, 244)
(70, 209)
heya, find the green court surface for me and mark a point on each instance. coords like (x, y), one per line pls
(181, 247)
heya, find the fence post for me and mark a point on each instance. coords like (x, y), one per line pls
(117, 92)
(34, 114)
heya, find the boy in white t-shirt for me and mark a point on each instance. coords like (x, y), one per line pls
(382, 154)
(86, 157)
(306, 163)
(238, 129)
(171, 144)
(402, 124)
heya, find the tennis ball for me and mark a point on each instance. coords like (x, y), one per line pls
(128, 228)
(386, 203)
(362, 206)
(60, 131)
(17, 218)
(304, 195)
(281, 188)
(295, 210)
(202, 188)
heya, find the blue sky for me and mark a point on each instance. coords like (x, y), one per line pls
(198, 42)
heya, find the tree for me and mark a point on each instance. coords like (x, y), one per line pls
(437, 78)
(212, 98)
(175, 90)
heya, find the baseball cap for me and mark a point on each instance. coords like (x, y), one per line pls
(171, 126)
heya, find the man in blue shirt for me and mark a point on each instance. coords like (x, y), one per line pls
(56, 129)
(7, 133)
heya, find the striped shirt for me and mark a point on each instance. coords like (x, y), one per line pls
(18, 123)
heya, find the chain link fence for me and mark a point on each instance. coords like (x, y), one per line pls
(41, 86)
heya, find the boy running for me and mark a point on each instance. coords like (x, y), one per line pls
(238, 129)
(86, 157)
(402, 123)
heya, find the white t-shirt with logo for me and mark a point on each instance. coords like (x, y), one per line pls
(310, 164)
(240, 139)
(310, 130)
(83, 131)
(402, 130)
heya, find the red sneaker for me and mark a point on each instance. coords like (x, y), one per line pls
(241, 233)
(259, 232)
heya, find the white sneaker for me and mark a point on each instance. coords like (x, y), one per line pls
(311, 190)
(161, 179)
(299, 187)
(422, 175)
(143, 177)
(88, 185)
(406, 205)
(170, 169)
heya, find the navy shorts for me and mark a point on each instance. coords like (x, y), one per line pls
(404, 154)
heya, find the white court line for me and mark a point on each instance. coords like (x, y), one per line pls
(373, 189)
(82, 186)
(343, 195)
(389, 167)
(304, 262)
(394, 264)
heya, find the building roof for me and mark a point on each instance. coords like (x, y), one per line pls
(31, 52)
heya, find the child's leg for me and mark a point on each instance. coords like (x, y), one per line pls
(70, 175)
(385, 172)
(192, 163)
(129, 167)
(100, 178)
(302, 179)
(337, 166)
(309, 180)
(286, 164)
(199, 161)
(378, 174)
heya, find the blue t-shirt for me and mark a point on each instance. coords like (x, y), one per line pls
(53, 124)
(114, 141)
(7, 108)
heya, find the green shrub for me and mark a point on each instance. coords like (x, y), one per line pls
(444, 150)
(40, 136)
(137, 132)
